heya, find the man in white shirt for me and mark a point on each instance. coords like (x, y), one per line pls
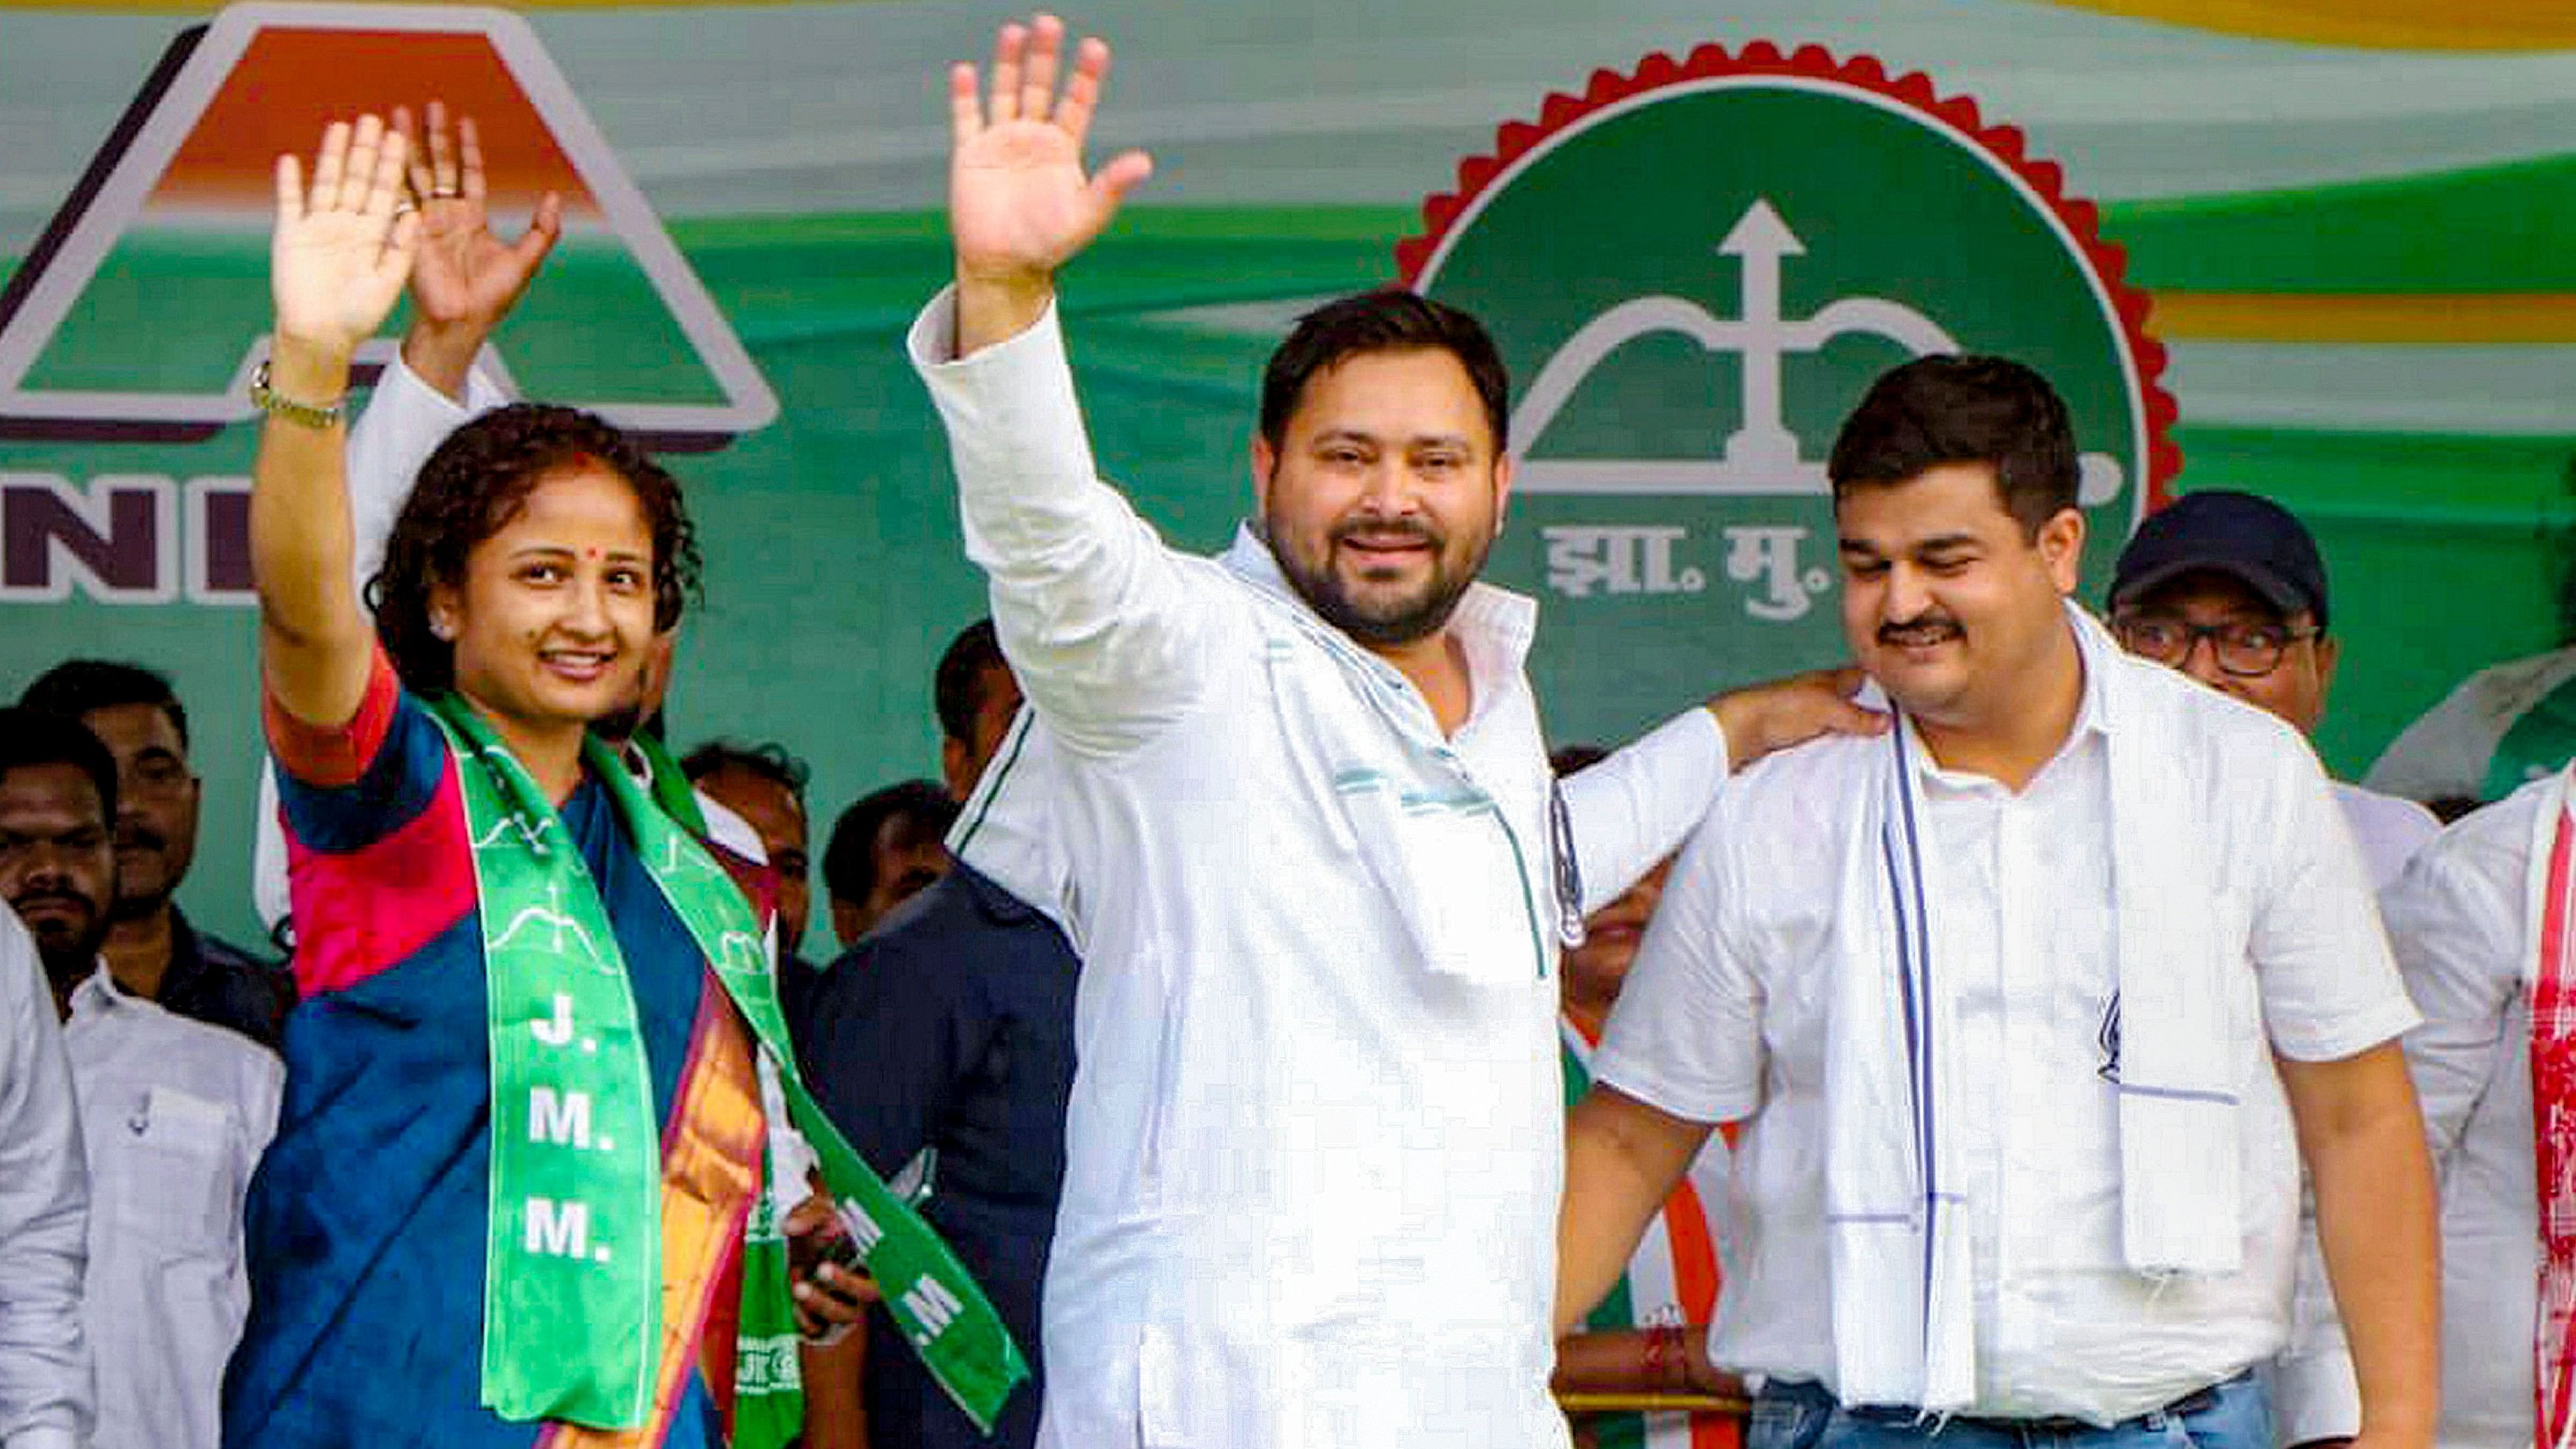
(2467, 921)
(174, 1113)
(45, 1398)
(1313, 870)
(2018, 1007)
(2242, 575)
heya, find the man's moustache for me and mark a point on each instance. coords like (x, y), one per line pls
(1917, 631)
(1407, 530)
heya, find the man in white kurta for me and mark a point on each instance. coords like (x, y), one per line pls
(1313, 1144)
(2461, 922)
(1312, 1148)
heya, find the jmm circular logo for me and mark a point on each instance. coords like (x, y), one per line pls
(1693, 272)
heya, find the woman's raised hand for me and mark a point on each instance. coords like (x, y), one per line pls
(344, 247)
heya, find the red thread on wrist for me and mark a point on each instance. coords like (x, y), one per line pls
(1662, 1343)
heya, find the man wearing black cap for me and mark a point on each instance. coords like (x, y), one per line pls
(2229, 588)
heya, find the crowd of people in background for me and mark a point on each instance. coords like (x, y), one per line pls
(1251, 1012)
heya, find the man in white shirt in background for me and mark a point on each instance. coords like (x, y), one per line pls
(174, 1112)
(2480, 923)
(2018, 1007)
(2229, 588)
(45, 1395)
(1315, 876)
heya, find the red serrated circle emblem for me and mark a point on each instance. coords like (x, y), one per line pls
(1811, 68)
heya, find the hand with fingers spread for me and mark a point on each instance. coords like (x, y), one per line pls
(341, 251)
(466, 278)
(1019, 202)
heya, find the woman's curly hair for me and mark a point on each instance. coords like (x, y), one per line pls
(472, 487)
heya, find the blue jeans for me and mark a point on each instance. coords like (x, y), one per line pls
(1796, 1414)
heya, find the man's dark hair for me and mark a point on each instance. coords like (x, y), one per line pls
(76, 686)
(920, 812)
(1946, 409)
(957, 689)
(769, 760)
(32, 737)
(1388, 319)
(472, 487)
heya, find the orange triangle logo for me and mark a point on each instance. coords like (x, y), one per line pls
(142, 309)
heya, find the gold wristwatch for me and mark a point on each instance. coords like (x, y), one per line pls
(267, 400)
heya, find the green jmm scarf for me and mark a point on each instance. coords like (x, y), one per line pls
(572, 1269)
(768, 1371)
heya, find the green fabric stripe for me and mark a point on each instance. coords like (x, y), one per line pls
(2482, 229)
(990, 788)
(671, 788)
(792, 278)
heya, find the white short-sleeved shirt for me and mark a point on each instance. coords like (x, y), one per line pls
(2388, 828)
(1725, 1017)
(2460, 922)
(174, 1116)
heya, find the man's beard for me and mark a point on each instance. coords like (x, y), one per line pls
(1401, 621)
(69, 953)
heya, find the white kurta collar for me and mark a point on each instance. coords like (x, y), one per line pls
(1495, 626)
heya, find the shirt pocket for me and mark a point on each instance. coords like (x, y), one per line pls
(1451, 866)
(167, 1175)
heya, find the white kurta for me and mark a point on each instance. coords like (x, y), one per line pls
(1315, 1140)
(2460, 920)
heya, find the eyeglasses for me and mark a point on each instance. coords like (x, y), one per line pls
(2247, 651)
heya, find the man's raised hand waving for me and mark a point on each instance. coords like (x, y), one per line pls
(1019, 203)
